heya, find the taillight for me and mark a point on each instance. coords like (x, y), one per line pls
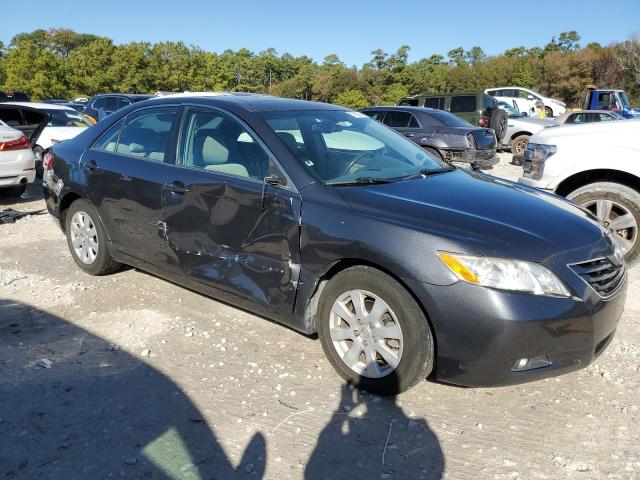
(21, 143)
(47, 161)
(483, 121)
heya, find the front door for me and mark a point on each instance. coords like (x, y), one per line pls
(225, 225)
(126, 169)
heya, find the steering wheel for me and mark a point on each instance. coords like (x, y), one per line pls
(355, 160)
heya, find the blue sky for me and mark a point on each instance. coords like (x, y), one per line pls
(351, 29)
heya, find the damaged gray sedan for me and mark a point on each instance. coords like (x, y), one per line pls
(442, 134)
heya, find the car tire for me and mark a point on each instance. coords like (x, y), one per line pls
(548, 112)
(16, 191)
(409, 346)
(618, 200)
(38, 152)
(498, 122)
(87, 239)
(519, 145)
(434, 152)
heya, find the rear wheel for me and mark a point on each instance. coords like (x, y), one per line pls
(87, 239)
(548, 111)
(498, 122)
(519, 145)
(373, 332)
(617, 208)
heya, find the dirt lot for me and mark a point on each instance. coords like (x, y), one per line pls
(129, 376)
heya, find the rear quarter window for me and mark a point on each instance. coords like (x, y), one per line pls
(463, 103)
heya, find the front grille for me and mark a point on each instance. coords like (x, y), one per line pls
(601, 274)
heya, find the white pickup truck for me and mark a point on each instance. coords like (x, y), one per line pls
(597, 166)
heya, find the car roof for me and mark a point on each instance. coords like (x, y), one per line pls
(249, 101)
(588, 111)
(467, 92)
(408, 108)
(128, 95)
(39, 106)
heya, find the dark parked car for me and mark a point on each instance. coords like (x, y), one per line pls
(11, 96)
(101, 106)
(326, 220)
(477, 108)
(442, 134)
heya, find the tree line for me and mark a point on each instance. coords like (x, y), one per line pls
(60, 63)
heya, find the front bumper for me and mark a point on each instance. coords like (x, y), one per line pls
(481, 333)
(18, 170)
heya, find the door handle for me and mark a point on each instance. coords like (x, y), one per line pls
(409, 135)
(93, 165)
(176, 187)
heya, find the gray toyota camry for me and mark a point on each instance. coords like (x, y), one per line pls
(327, 221)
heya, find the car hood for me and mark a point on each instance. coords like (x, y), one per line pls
(539, 122)
(478, 214)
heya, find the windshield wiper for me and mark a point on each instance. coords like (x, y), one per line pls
(426, 172)
(359, 181)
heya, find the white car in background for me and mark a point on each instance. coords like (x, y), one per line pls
(64, 123)
(597, 166)
(17, 162)
(526, 99)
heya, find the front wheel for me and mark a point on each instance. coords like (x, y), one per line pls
(617, 208)
(87, 239)
(519, 145)
(373, 332)
(548, 112)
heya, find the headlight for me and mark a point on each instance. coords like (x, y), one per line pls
(505, 274)
(534, 157)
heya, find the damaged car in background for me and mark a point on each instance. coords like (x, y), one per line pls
(440, 133)
(326, 220)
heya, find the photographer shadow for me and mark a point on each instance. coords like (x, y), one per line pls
(371, 437)
(72, 405)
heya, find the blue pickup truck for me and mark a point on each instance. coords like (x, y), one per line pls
(607, 99)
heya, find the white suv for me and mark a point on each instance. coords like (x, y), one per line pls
(596, 165)
(526, 99)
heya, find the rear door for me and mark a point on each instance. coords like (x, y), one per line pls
(126, 169)
(403, 122)
(465, 107)
(225, 225)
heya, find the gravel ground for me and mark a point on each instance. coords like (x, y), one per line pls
(129, 376)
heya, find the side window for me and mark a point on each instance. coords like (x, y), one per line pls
(376, 114)
(215, 142)
(580, 118)
(523, 94)
(109, 139)
(98, 103)
(11, 117)
(147, 133)
(111, 104)
(413, 123)
(463, 103)
(397, 119)
(33, 118)
(409, 102)
(434, 102)
(605, 117)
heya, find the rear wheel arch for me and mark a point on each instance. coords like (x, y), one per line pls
(65, 203)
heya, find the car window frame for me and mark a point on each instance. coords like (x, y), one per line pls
(289, 185)
(171, 151)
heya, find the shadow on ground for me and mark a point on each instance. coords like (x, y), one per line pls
(99, 412)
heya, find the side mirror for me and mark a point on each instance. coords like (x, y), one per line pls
(274, 180)
(530, 97)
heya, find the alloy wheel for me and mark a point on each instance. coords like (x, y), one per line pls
(617, 218)
(366, 333)
(84, 237)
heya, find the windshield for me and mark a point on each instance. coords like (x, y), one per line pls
(624, 100)
(511, 110)
(342, 146)
(67, 118)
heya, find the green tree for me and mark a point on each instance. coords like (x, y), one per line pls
(354, 99)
